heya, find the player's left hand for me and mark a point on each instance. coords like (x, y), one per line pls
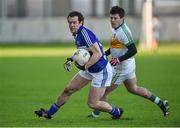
(79, 66)
(114, 61)
(67, 64)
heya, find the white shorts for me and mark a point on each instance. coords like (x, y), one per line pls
(125, 71)
(99, 79)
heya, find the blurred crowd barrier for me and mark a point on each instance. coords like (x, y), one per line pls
(56, 29)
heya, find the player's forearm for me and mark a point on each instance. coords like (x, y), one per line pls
(108, 52)
(94, 58)
(132, 50)
(71, 58)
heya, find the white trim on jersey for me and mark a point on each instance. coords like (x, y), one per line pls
(86, 37)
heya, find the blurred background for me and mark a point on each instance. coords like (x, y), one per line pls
(43, 21)
(35, 41)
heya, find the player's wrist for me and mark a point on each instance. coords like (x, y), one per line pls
(118, 60)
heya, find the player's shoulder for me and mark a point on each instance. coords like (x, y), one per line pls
(125, 28)
(124, 31)
(87, 33)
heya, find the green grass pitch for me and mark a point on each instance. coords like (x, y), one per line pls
(32, 77)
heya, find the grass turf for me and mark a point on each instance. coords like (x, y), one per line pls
(28, 83)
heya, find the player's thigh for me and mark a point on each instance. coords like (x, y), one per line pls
(130, 83)
(78, 82)
(118, 77)
(95, 94)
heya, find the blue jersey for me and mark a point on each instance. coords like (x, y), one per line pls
(84, 38)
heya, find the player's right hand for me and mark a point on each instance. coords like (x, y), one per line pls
(114, 61)
(67, 64)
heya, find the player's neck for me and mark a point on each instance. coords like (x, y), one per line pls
(121, 23)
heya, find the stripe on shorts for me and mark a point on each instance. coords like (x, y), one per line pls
(116, 76)
(105, 77)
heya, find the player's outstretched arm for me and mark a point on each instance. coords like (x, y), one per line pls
(132, 50)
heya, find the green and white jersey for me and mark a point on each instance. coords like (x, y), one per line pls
(121, 38)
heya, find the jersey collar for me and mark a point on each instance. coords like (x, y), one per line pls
(120, 25)
(80, 28)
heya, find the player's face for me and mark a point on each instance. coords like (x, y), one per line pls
(115, 20)
(74, 24)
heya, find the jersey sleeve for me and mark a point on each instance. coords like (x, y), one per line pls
(125, 36)
(89, 37)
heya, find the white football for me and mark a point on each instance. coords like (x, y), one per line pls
(81, 56)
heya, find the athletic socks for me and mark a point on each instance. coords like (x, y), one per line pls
(115, 112)
(156, 100)
(53, 109)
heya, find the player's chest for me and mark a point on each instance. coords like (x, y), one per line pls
(115, 42)
(79, 42)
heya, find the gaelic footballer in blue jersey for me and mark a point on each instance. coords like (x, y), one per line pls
(97, 70)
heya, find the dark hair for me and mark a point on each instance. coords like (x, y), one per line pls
(78, 14)
(117, 10)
